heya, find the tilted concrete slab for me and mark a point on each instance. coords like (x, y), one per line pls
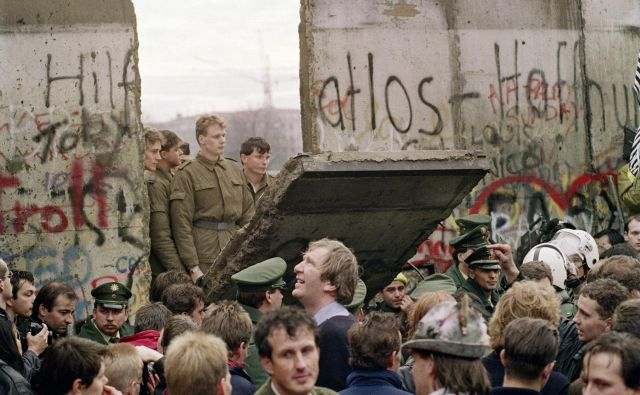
(380, 204)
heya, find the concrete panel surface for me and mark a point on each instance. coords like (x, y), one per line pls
(73, 198)
(382, 205)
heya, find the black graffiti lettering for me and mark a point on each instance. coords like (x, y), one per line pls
(371, 92)
(50, 80)
(439, 124)
(390, 80)
(621, 123)
(352, 92)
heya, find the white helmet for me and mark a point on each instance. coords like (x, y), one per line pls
(555, 259)
(577, 242)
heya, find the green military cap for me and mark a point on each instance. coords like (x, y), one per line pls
(469, 222)
(434, 283)
(481, 259)
(358, 297)
(262, 276)
(474, 239)
(112, 295)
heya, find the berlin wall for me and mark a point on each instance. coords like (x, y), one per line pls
(73, 201)
(544, 88)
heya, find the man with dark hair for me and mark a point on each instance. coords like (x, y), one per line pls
(530, 348)
(607, 238)
(185, 299)
(150, 319)
(255, 156)
(209, 198)
(611, 364)
(54, 306)
(230, 322)
(23, 294)
(260, 290)
(164, 255)
(163, 280)
(596, 304)
(326, 280)
(632, 232)
(19, 309)
(108, 323)
(74, 366)
(287, 342)
(474, 233)
(374, 356)
(620, 249)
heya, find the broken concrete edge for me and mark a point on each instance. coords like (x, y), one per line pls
(306, 84)
(252, 243)
(232, 258)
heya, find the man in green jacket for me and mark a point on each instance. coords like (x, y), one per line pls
(260, 288)
(483, 283)
(110, 313)
(470, 239)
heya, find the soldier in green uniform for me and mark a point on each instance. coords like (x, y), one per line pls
(110, 313)
(209, 199)
(464, 245)
(260, 289)
(164, 255)
(483, 283)
(255, 154)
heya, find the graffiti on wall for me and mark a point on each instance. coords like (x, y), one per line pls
(551, 133)
(71, 205)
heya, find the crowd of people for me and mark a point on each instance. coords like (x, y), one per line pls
(562, 319)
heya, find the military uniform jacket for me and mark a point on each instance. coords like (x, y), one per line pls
(455, 274)
(164, 255)
(91, 332)
(487, 306)
(266, 181)
(266, 390)
(253, 366)
(215, 192)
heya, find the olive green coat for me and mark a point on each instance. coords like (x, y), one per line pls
(480, 301)
(203, 190)
(253, 366)
(91, 332)
(267, 180)
(455, 274)
(164, 254)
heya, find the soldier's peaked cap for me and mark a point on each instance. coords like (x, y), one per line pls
(481, 259)
(112, 295)
(262, 276)
(469, 222)
(474, 239)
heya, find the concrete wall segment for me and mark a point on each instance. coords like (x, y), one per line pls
(542, 87)
(71, 143)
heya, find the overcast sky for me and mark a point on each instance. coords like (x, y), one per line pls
(206, 55)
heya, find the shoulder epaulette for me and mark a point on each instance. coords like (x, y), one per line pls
(185, 164)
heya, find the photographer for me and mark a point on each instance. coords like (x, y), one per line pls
(17, 297)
